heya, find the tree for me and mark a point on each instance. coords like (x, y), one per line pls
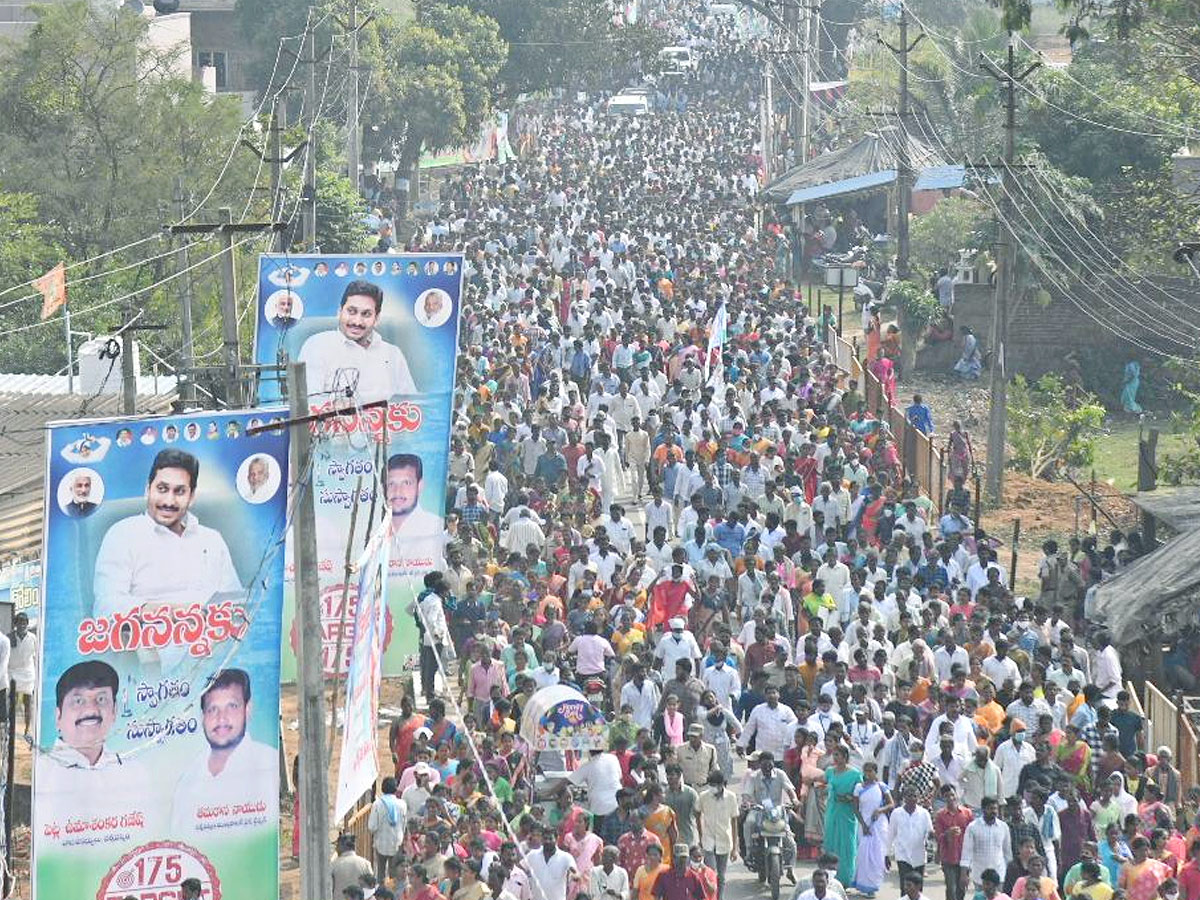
(341, 212)
(1048, 429)
(95, 125)
(28, 247)
(564, 43)
(916, 307)
(956, 223)
(436, 78)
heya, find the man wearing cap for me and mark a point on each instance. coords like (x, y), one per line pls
(1012, 756)
(679, 644)
(679, 882)
(863, 735)
(696, 759)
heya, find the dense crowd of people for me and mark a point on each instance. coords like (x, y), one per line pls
(661, 483)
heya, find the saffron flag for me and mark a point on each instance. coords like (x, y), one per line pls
(53, 288)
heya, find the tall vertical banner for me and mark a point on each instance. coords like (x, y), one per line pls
(358, 766)
(157, 758)
(375, 327)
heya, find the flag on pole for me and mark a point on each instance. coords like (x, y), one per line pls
(718, 333)
(53, 288)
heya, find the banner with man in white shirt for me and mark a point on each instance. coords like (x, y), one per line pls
(157, 754)
(368, 327)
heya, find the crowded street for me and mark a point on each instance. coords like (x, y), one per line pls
(605, 506)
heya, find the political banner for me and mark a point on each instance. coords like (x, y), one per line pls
(358, 765)
(21, 585)
(369, 328)
(157, 759)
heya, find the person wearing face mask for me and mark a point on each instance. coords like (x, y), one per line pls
(547, 673)
(1012, 756)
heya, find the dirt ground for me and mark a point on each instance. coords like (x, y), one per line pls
(1045, 509)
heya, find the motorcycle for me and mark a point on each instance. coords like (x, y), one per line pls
(766, 849)
(595, 691)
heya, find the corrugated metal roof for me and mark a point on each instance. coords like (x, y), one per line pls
(20, 383)
(23, 418)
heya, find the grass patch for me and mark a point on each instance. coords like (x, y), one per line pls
(1117, 450)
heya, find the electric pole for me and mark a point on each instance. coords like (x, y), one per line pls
(313, 789)
(308, 195)
(904, 168)
(353, 135)
(187, 353)
(767, 137)
(276, 160)
(226, 228)
(1006, 260)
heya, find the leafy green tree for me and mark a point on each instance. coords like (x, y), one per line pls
(435, 78)
(1048, 429)
(95, 125)
(340, 215)
(956, 223)
(565, 43)
(916, 307)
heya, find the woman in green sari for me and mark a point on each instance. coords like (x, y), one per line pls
(841, 822)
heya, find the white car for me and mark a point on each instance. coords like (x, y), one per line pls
(628, 105)
(679, 59)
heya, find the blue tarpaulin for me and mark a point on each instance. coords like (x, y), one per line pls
(844, 186)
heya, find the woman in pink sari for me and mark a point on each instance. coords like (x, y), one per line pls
(885, 371)
(585, 845)
(1141, 876)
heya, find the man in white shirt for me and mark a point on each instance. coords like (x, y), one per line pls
(549, 868)
(1011, 757)
(962, 730)
(987, 844)
(234, 772)
(418, 535)
(1107, 668)
(909, 829)
(642, 696)
(773, 723)
(1000, 668)
(679, 644)
(164, 556)
(949, 655)
(601, 775)
(354, 357)
(608, 881)
(721, 678)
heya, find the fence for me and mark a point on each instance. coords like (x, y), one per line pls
(1169, 726)
(1162, 720)
(356, 824)
(919, 457)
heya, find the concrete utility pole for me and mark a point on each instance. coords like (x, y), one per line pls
(314, 754)
(353, 135)
(226, 228)
(767, 138)
(904, 167)
(1006, 260)
(308, 196)
(187, 354)
(273, 156)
